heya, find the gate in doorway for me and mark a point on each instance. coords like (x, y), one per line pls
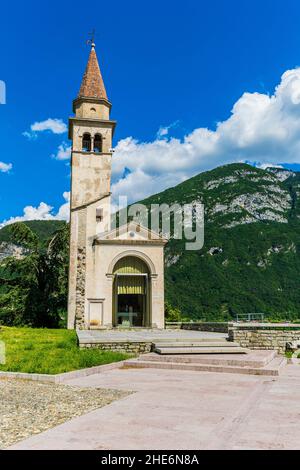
(131, 293)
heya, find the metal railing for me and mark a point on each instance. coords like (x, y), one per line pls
(248, 317)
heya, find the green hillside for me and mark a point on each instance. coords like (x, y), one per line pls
(42, 228)
(252, 219)
(250, 260)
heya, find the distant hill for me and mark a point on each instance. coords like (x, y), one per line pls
(250, 261)
(43, 228)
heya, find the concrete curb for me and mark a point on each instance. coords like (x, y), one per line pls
(75, 374)
(61, 378)
(27, 376)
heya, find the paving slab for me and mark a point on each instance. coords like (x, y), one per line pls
(200, 350)
(272, 369)
(257, 358)
(152, 336)
(184, 410)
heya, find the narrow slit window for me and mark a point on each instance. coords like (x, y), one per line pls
(99, 215)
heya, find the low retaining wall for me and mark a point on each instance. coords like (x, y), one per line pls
(65, 376)
(273, 336)
(215, 327)
(173, 325)
(130, 347)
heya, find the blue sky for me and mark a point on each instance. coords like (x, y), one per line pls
(172, 70)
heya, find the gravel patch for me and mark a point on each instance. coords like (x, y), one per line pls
(28, 408)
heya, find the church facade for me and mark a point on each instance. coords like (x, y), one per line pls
(116, 276)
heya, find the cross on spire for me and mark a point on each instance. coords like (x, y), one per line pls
(92, 35)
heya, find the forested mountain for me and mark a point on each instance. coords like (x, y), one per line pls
(250, 261)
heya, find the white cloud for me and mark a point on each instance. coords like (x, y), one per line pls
(261, 128)
(264, 166)
(5, 167)
(64, 210)
(30, 135)
(42, 212)
(56, 126)
(63, 152)
(163, 131)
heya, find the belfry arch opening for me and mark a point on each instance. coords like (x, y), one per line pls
(131, 293)
(98, 143)
(86, 142)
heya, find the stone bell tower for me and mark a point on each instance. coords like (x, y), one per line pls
(91, 132)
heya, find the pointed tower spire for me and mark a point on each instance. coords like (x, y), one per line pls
(92, 85)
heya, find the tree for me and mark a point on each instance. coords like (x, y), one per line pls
(172, 314)
(34, 288)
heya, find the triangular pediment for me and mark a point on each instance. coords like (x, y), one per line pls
(131, 232)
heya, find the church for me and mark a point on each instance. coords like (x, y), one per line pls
(116, 276)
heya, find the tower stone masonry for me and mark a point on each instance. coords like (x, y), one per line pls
(115, 276)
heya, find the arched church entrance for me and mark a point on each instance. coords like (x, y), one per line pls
(131, 293)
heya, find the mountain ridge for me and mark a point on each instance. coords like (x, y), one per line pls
(250, 259)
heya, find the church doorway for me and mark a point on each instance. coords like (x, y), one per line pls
(131, 293)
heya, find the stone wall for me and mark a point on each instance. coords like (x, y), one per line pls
(80, 287)
(215, 327)
(173, 325)
(273, 336)
(121, 346)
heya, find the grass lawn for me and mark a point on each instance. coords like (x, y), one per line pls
(47, 351)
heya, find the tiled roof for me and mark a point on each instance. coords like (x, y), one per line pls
(92, 85)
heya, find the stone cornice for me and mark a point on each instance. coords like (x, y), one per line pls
(86, 99)
(89, 122)
(130, 242)
(83, 206)
(94, 154)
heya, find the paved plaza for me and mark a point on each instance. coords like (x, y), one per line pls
(173, 409)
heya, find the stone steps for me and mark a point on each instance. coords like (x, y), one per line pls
(272, 369)
(193, 340)
(199, 344)
(256, 359)
(218, 349)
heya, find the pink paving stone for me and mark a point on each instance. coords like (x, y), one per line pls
(184, 410)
